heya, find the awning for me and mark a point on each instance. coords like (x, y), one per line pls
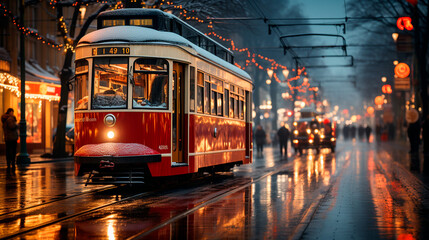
(39, 83)
(35, 73)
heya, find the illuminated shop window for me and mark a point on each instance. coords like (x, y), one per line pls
(33, 116)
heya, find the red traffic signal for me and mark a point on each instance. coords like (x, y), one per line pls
(404, 23)
(387, 89)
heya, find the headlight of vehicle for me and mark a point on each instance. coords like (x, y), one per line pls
(110, 134)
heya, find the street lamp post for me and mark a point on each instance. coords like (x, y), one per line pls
(23, 157)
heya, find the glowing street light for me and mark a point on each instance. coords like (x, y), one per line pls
(268, 81)
(270, 72)
(395, 36)
(383, 79)
(285, 73)
(395, 62)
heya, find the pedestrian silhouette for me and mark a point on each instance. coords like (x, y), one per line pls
(361, 132)
(368, 131)
(413, 132)
(283, 134)
(260, 137)
(10, 131)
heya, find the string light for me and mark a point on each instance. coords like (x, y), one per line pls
(29, 31)
(12, 84)
(252, 56)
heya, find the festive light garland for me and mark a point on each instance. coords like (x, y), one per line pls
(29, 31)
(252, 56)
(11, 83)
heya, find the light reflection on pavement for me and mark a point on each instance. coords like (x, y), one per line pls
(355, 193)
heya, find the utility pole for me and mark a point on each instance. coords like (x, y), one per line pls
(23, 157)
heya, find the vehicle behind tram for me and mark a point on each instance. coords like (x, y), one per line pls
(155, 97)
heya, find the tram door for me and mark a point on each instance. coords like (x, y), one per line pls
(178, 130)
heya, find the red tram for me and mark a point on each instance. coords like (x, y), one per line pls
(155, 97)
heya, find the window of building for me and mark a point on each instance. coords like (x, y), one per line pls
(150, 83)
(110, 83)
(81, 85)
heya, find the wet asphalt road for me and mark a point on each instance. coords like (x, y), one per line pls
(363, 191)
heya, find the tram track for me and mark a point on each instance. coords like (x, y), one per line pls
(78, 214)
(147, 194)
(299, 229)
(56, 200)
(216, 196)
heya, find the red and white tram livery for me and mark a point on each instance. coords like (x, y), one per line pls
(152, 101)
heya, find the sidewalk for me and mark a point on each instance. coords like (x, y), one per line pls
(36, 158)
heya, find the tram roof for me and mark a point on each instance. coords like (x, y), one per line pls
(136, 12)
(133, 34)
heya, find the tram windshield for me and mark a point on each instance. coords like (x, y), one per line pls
(82, 85)
(110, 83)
(150, 83)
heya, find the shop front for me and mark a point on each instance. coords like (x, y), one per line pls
(42, 95)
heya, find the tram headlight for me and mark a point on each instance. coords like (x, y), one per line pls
(110, 134)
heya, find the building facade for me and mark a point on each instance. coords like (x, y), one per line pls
(42, 64)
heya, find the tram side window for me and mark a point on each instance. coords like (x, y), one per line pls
(231, 106)
(207, 97)
(219, 104)
(110, 83)
(142, 22)
(81, 91)
(213, 103)
(200, 92)
(237, 111)
(150, 83)
(192, 90)
(226, 101)
(176, 27)
(241, 108)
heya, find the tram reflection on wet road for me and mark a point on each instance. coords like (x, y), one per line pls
(362, 191)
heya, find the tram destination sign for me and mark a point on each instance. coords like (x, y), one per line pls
(110, 50)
